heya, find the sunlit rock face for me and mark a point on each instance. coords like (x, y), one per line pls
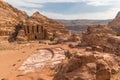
(39, 27)
(17, 25)
(101, 38)
(9, 18)
(97, 35)
(89, 66)
(115, 24)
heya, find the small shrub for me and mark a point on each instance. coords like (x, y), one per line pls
(52, 39)
(68, 54)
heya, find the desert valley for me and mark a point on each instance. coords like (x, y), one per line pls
(40, 48)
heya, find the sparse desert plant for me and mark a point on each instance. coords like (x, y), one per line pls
(68, 54)
(52, 39)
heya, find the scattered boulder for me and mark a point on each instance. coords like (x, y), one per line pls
(10, 18)
(97, 48)
(72, 45)
(88, 48)
(17, 25)
(89, 66)
(74, 38)
(102, 39)
(97, 35)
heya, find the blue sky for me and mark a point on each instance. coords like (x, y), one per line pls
(70, 9)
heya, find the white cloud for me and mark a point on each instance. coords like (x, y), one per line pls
(102, 2)
(97, 15)
(110, 14)
(23, 3)
(98, 2)
(89, 2)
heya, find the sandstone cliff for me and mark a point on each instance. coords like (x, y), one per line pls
(89, 66)
(102, 38)
(16, 24)
(115, 24)
(38, 27)
(9, 18)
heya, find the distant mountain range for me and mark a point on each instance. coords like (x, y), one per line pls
(82, 25)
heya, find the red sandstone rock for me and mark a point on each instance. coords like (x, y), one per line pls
(115, 24)
(89, 66)
(102, 39)
(9, 18)
(19, 26)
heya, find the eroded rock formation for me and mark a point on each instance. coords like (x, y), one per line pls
(115, 24)
(89, 66)
(101, 38)
(19, 26)
(97, 63)
(9, 18)
(96, 35)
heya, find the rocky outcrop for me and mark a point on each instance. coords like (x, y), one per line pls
(19, 26)
(102, 39)
(96, 35)
(9, 18)
(89, 66)
(115, 24)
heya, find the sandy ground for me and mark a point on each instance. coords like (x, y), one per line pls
(12, 55)
(12, 58)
